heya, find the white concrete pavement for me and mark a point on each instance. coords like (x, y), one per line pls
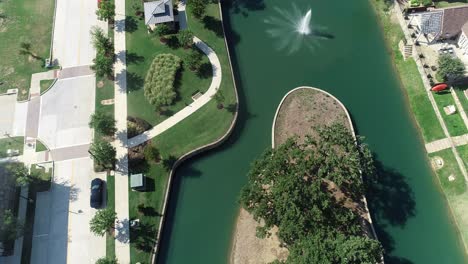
(122, 233)
(72, 41)
(191, 108)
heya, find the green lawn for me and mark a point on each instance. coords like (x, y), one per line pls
(450, 167)
(455, 124)
(450, 3)
(14, 143)
(141, 50)
(40, 146)
(45, 84)
(110, 240)
(461, 96)
(23, 21)
(463, 151)
(204, 126)
(410, 78)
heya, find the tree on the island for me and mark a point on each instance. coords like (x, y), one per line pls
(103, 221)
(159, 87)
(194, 60)
(219, 98)
(107, 260)
(103, 123)
(185, 38)
(161, 31)
(151, 153)
(198, 8)
(327, 246)
(287, 185)
(106, 10)
(103, 153)
(103, 65)
(450, 68)
(11, 227)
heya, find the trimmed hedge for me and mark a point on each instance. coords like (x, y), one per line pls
(159, 82)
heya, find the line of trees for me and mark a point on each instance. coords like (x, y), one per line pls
(294, 187)
(104, 61)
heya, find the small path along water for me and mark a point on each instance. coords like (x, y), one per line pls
(409, 211)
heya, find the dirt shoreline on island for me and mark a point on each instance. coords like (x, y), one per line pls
(298, 113)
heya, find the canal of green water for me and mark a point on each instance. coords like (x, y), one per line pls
(352, 63)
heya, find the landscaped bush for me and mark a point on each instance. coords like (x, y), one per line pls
(104, 61)
(136, 126)
(159, 82)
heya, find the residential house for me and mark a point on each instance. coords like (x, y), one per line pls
(158, 12)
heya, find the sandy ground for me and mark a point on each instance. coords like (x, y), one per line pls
(249, 249)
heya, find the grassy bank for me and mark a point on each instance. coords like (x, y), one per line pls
(24, 21)
(110, 240)
(454, 189)
(202, 127)
(409, 76)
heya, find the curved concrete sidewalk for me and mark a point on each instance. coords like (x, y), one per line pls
(190, 109)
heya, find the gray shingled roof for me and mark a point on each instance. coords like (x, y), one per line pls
(158, 12)
(431, 22)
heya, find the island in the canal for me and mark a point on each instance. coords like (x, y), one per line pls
(305, 198)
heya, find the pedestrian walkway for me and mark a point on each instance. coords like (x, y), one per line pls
(446, 143)
(191, 108)
(35, 88)
(122, 231)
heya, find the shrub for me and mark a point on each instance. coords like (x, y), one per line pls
(194, 60)
(103, 153)
(186, 38)
(136, 126)
(450, 68)
(198, 8)
(151, 153)
(106, 10)
(103, 123)
(159, 82)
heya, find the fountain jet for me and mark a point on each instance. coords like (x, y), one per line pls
(304, 25)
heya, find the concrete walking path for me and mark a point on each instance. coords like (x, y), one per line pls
(445, 143)
(190, 109)
(122, 231)
(427, 87)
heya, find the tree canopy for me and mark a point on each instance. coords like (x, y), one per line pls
(185, 38)
(103, 123)
(159, 87)
(106, 10)
(198, 7)
(103, 221)
(11, 228)
(294, 187)
(103, 153)
(450, 67)
(104, 61)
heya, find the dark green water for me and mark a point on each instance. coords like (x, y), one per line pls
(410, 212)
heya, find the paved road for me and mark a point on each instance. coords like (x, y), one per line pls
(65, 112)
(58, 209)
(72, 41)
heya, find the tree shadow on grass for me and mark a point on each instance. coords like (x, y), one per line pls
(134, 58)
(172, 42)
(131, 24)
(143, 237)
(134, 82)
(205, 71)
(213, 24)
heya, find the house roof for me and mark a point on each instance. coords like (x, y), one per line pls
(465, 29)
(447, 22)
(454, 19)
(158, 12)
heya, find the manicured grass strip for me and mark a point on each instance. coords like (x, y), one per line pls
(410, 78)
(13, 143)
(450, 167)
(454, 122)
(462, 97)
(110, 240)
(45, 84)
(40, 146)
(25, 21)
(463, 152)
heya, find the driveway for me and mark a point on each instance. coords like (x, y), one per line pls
(65, 112)
(61, 227)
(73, 22)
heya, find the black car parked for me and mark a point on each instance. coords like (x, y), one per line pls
(96, 193)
